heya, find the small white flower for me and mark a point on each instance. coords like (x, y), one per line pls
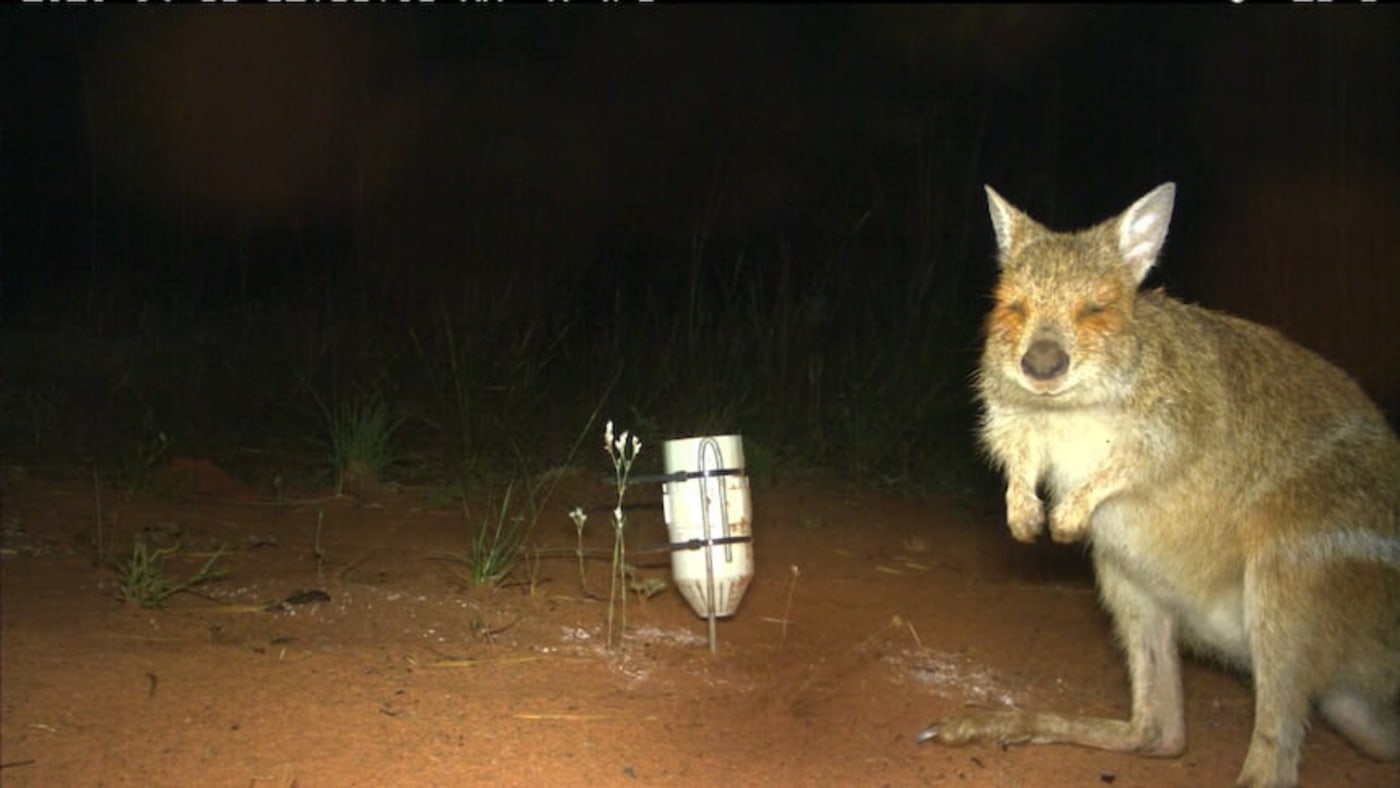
(578, 516)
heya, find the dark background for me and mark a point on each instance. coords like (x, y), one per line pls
(505, 220)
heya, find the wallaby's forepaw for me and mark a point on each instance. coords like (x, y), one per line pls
(1069, 522)
(1025, 515)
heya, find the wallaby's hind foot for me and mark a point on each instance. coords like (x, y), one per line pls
(1007, 728)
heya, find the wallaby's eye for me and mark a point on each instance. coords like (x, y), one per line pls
(1016, 308)
(1092, 309)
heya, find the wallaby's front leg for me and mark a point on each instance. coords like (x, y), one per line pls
(1022, 461)
(1073, 513)
(1025, 512)
(1158, 724)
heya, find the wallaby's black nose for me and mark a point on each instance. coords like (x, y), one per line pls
(1045, 360)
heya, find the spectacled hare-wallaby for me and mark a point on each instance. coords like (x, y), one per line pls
(1239, 494)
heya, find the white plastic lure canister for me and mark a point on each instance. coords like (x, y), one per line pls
(710, 503)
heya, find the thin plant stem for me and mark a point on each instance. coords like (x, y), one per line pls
(623, 452)
(579, 518)
(787, 608)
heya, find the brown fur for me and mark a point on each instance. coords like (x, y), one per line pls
(1240, 494)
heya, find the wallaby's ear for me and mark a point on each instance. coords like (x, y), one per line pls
(1142, 229)
(1005, 220)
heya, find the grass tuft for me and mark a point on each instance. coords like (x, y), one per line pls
(498, 546)
(141, 577)
(360, 433)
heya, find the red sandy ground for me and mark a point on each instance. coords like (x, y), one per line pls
(901, 611)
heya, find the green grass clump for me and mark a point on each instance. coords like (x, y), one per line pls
(360, 433)
(497, 547)
(142, 578)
